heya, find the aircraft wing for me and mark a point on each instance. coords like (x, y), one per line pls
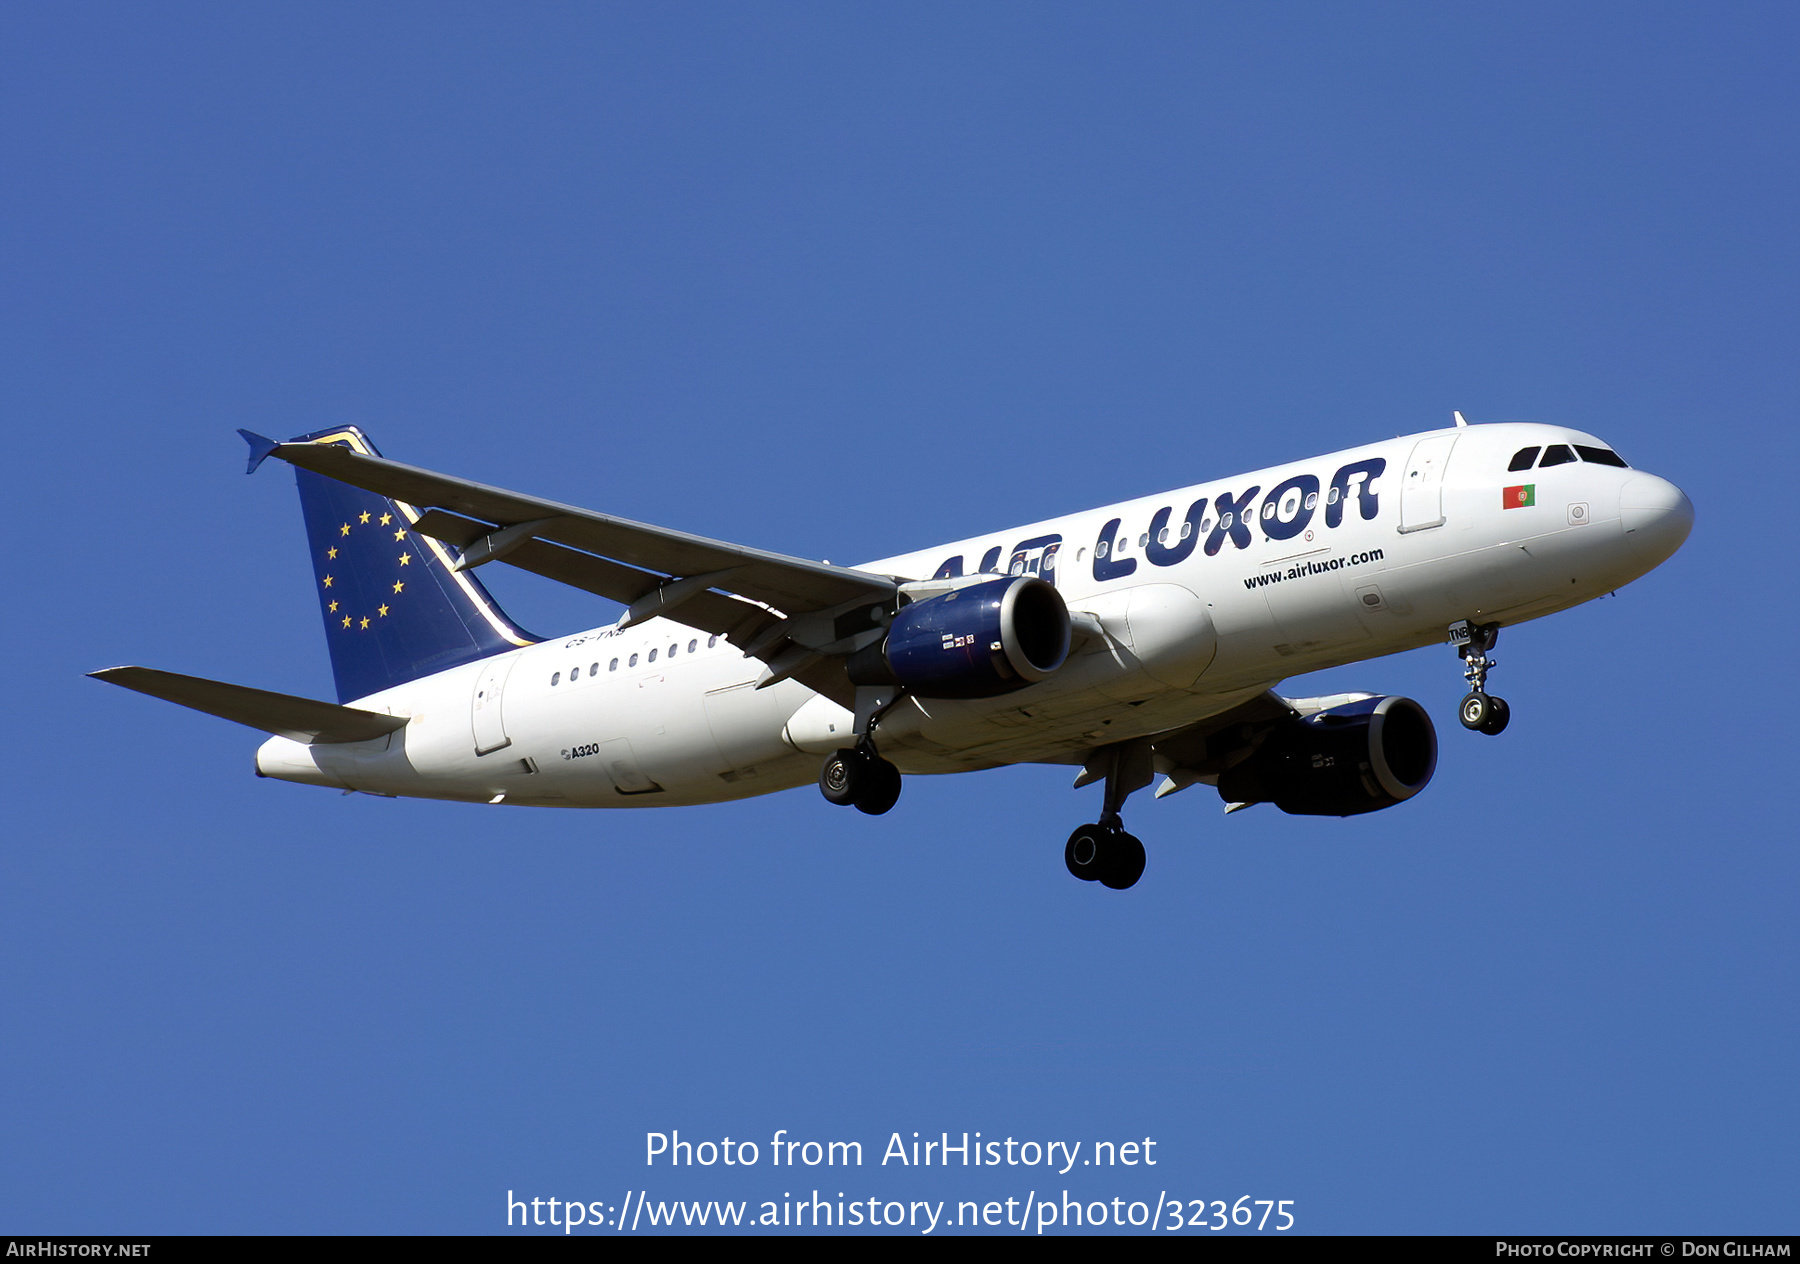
(799, 616)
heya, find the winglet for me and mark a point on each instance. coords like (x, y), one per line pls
(259, 448)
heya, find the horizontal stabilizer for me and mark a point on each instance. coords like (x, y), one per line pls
(302, 719)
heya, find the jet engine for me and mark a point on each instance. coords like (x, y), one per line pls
(977, 641)
(1342, 761)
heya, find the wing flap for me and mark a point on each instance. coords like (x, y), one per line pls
(302, 719)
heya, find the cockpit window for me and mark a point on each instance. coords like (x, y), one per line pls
(1602, 456)
(1556, 454)
(1523, 458)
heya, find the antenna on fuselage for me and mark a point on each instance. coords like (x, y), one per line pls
(1459, 420)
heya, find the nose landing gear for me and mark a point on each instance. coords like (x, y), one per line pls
(1480, 712)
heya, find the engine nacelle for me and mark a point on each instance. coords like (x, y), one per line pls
(978, 641)
(1343, 761)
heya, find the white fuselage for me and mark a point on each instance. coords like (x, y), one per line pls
(1299, 580)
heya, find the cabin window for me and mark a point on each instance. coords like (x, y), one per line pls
(1556, 454)
(1312, 499)
(693, 645)
(1207, 525)
(672, 650)
(652, 656)
(555, 679)
(712, 641)
(633, 662)
(1144, 540)
(1225, 523)
(613, 666)
(1187, 529)
(1523, 458)
(593, 669)
(574, 674)
(1602, 456)
(1100, 549)
(1331, 497)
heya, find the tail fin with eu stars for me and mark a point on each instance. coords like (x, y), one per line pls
(394, 609)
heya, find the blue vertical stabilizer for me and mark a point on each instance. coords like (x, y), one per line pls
(394, 610)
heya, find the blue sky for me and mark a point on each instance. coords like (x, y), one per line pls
(845, 282)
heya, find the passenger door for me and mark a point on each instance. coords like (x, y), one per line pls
(1422, 486)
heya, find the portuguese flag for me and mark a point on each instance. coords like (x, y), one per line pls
(1519, 497)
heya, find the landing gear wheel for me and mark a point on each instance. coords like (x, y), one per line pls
(1476, 712)
(882, 788)
(1085, 852)
(1498, 715)
(1124, 862)
(843, 777)
(860, 779)
(1111, 857)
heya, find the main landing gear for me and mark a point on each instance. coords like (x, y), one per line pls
(857, 776)
(1104, 852)
(1480, 711)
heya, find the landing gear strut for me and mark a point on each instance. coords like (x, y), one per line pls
(858, 776)
(1104, 852)
(1480, 712)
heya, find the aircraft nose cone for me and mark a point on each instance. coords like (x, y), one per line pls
(1656, 514)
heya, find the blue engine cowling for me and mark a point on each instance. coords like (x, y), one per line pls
(1359, 757)
(975, 642)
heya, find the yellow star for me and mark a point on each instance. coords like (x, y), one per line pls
(398, 586)
(331, 553)
(344, 530)
(346, 620)
(400, 534)
(328, 581)
(365, 621)
(386, 518)
(332, 607)
(382, 612)
(365, 517)
(405, 558)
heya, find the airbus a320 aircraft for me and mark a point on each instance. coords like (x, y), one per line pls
(1140, 639)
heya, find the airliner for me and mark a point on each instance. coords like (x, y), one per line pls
(1139, 640)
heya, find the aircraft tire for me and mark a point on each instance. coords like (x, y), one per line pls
(881, 788)
(1499, 714)
(843, 777)
(1476, 710)
(1085, 852)
(1124, 861)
